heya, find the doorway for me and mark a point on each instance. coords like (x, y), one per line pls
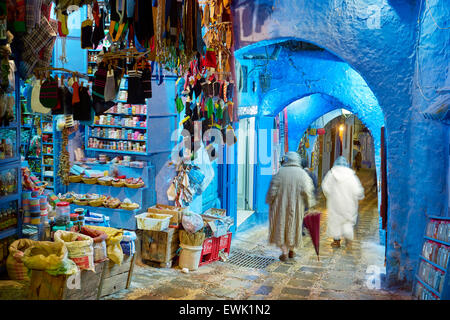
(246, 162)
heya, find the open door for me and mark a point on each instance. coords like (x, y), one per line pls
(246, 162)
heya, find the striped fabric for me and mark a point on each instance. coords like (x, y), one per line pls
(49, 93)
(147, 83)
(40, 36)
(98, 88)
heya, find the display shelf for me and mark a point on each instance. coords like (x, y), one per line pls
(435, 273)
(145, 197)
(12, 125)
(10, 197)
(8, 232)
(120, 127)
(4, 162)
(117, 139)
(428, 287)
(126, 114)
(117, 151)
(433, 264)
(436, 240)
(118, 218)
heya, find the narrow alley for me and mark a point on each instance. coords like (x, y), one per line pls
(341, 274)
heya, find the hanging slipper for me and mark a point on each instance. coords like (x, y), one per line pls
(230, 107)
(219, 110)
(62, 17)
(209, 107)
(86, 34)
(179, 104)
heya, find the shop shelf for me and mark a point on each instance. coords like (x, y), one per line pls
(117, 151)
(119, 218)
(10, 197)
(436, 240)
(5, 161)
(8, 232)
(113, 126)
(125, 114)
(433, 264)
(12, 125)
(439, 218)
(428, 287)
(114, 139)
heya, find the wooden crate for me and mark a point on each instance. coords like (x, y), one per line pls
(159, 246)
(44, 286)
(176, 212)
(116, 277)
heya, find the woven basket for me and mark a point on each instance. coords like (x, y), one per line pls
(104, 182)
(75, 179)
(117, 184)
(134, 185)
(96, 203)
(84, 202)
(111, 206)
(129, 206)
(69, 200)
(90, 180)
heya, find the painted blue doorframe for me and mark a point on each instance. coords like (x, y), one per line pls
(227, 175)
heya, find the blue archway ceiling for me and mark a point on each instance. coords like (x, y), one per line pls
(303, 112)
(381, 46)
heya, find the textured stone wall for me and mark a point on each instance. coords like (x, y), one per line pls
(382, 43)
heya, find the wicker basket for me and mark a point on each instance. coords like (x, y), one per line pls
(96, 202)
(111, 206)
(134, 185)
(129, 206)
(104, 182)
(75, 179)
(117, 184)
(69, 200)
(90, 180)
(83, 202)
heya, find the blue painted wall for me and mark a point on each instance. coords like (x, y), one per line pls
(384, 43)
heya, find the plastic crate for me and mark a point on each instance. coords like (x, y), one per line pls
(212, 246)
(210, 251)
(224, 242)
(159, 223)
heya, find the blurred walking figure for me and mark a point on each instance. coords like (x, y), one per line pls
(289, 189)
(343, 190)
(358, 161)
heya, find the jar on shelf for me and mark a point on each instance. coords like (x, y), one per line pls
(63, 210)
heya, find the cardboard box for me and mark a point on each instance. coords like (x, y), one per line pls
(175, 212)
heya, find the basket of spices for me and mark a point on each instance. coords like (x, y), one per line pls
(89, 180)
(105, 181)
(75, 179)
(129, 206)
(81, 202)
(134, 183)
(96, 202)
(117, 183)
(111, 203)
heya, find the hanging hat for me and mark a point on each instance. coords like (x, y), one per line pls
(48, 95)
(36, 104)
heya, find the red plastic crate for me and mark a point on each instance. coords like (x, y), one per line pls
(225, 242)
(210, 252)
(212, 246)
